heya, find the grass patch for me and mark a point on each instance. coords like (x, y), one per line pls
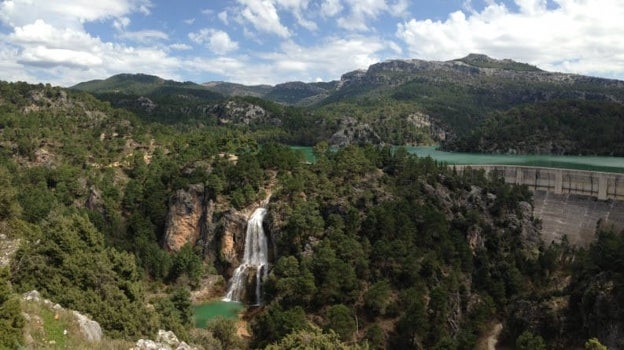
(48, 328)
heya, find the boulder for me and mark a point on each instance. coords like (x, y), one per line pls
(166, 340)
(90, 329)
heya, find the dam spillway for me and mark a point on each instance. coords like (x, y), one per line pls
(575, 215)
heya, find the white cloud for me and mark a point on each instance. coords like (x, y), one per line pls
(11, 69)
(262, 14)
(326, 61)
(333, 57)
(41, 33)
(399, 8)
(180, 47)
(47, 40)
(330, 8)
(47, 57)
(121, 23)
(223, 16)
(67, 13)
(144, 36)
(531, 7)
(189, 21)
(298, 8)
(218, 41)
(48, 44)
(577, 36)
(360, 12)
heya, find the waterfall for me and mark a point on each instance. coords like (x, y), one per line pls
(255, 257)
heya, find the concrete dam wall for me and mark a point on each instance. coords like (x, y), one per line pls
(576, 216)
(560, 181)
(569, 202)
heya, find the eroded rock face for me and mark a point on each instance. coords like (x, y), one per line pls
(191, 219)
(198, 218)
(233, 238)
(94, 201)
(190, 215)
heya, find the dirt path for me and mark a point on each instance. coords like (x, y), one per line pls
(489, 340)
(492, 338)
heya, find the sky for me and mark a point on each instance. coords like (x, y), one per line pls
(64, 42)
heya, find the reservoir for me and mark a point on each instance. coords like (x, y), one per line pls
(205, 312)
(594, 163)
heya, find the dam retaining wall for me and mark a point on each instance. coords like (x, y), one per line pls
(568, 202)
(576, 216)
(601, 185)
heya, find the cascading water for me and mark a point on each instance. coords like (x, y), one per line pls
(255, 257)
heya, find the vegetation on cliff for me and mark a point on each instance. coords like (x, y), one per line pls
(399, 252)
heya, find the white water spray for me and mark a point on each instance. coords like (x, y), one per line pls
(255, 257)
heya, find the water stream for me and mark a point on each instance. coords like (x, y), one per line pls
(255, 259)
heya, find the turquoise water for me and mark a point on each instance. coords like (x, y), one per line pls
(595, 163)
(307, 152)
(205, 312)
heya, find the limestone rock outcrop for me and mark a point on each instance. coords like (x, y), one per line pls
(190, 215)
(166, 340)
(91, 330)
(192, 220)
(352, 131)
(233, 112)
(233, 237)
(8, 247)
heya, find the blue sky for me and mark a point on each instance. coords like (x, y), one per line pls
(272, 41)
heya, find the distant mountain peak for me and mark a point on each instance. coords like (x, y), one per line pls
(133, 83)
(485, 61)
(139, 77)
(478, 57)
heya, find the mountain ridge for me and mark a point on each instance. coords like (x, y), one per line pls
(456, 96)
(299, 92)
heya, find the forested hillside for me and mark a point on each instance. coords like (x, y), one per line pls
(86, 190)
(569, 127)
(370, 246)
(460, 104)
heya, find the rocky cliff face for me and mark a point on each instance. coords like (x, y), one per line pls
(232, 242)
(195, 218)
(233, 112)
(352, 131)
(424, 121)
(190, 216)
(478, 70)
(601, 311)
